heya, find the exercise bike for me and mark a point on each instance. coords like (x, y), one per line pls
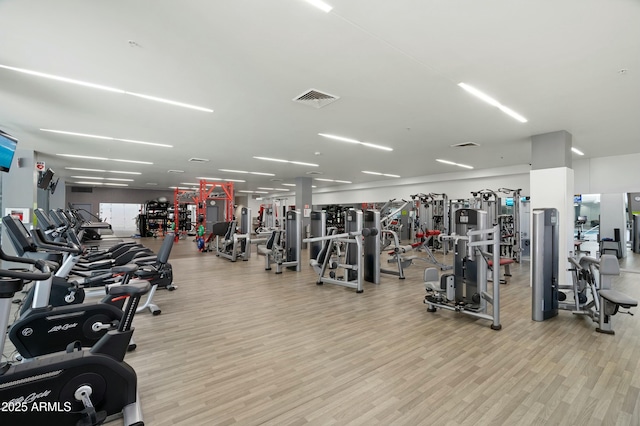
(78, 387)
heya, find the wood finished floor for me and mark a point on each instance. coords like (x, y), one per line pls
(238, 345)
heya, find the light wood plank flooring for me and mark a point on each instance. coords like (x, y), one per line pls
(238, 345)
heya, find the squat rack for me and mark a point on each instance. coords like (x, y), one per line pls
(202, 194)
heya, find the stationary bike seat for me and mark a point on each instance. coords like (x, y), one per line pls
(132, 288)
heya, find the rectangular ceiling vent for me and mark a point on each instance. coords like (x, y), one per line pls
(465, 145)
(198, 160)
(315, 98)
(175, 171)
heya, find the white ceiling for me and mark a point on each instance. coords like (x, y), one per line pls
(394, 64)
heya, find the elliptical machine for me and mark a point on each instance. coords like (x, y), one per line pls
(73, 388)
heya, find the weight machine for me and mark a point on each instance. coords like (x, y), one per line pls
(232, 243)
(283, 247)
(372, 247)
(351, 261)
(591, 290)
(465, 291)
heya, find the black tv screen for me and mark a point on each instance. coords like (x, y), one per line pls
(7, 150)
(45, 179)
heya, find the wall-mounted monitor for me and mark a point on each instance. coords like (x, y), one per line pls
(45, 179)
(54, 185)
(7, 150)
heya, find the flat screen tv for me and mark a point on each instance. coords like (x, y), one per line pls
(45, 179)
(7, 150)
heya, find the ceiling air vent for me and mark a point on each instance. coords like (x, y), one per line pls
(314, 173)
(315, 98)
(175, 171)
(465, 145)
(198, 160)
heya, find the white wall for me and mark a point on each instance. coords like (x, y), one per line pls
(607, 175)
(455, 185)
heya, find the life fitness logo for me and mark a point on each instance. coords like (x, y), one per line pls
(27, 332)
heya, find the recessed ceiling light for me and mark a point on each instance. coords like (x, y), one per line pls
(123, 173)
(102, 87)
(300, 163)
(246, 192)
(268, 189)
(446, 162)
(152, 183)
(320, 5)
(245, 172)
(453, 164)
(107, 138)
(88, 157)
(87, 177)
(260, 192)
(281, 189)
(332, 180)
(577, 151)
(120, 179)
(234, 180)
(115, 184)
(88, 183)
(81, 169)
(198, 160)
(288, 184)
(380, 174)
(175, 171)
(354, 141)
(103, 158)
(190, 183)
(131, 161)
(488, 99)
(208, 178)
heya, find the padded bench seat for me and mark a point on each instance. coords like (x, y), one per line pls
(618, 298)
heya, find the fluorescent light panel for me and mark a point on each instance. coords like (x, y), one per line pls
(577, 151)
(105, 88)
(453, 164)
(354, 141)
(64, 132)
(488, 99)
(332, 180)
(300, 163)
(246, 172)
(82, 169)
(320, 5)
(87, 157)
(100, 183)
(380, 174)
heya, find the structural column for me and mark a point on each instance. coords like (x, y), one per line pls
(551, 185)
(19, 190)
(303, 202)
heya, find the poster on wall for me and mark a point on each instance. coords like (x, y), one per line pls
(20, 213)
